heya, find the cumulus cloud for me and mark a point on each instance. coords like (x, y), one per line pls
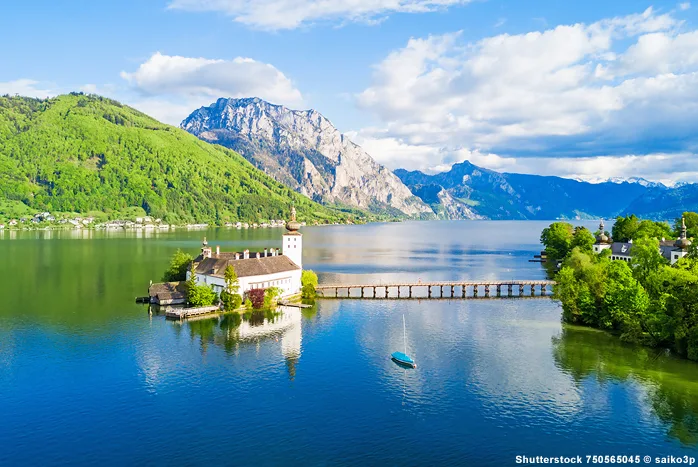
(169, 87)
(625, 85)
(290, 14)
(25, 87)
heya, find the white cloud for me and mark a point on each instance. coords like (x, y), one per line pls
(684, 6)
(170, 87)
(25, 87)
(575, 90)
(289, 14)
(185, 76)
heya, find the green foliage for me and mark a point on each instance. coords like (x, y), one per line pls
(631, 228)
(624, 228)
(271, 296)
(652, 229)
(177, 271)
(646, 259)
(199, 295)
(231, 301)
(647, 301)
(77, 153)
(583, 239)
(309, 282)
(232, 285)
(557, 239)
(248, 304)
(230, 297)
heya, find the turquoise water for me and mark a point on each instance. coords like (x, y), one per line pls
(87, 376)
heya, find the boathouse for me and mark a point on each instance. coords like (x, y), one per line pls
(168, 293)
(256, 270)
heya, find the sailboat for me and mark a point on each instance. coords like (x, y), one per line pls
(402, 358)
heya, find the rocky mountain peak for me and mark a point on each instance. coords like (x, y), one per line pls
(302, 149)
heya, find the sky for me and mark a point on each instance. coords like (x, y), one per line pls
(581, 89)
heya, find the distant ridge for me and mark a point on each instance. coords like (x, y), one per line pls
(467, 191)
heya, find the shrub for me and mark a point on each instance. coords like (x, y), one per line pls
(256, 297)
(309, 282)
(270, 297)
(231, 301)
(201, 295)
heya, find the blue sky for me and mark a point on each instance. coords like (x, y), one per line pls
(590, 89)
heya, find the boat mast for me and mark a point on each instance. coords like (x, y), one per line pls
(404, 333)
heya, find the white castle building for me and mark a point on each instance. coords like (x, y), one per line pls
(258, 270)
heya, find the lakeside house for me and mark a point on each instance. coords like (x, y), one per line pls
(168, 293)
(256, 270)
(672, 250)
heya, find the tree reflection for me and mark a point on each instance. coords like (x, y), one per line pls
(671, 383)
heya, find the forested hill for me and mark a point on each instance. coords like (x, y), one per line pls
(79, 153)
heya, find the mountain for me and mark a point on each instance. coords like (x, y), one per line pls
(470, 192)
(78, 153)
(665, 204)
(303, 150)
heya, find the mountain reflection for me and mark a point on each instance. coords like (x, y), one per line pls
(671, 387)
(233, 332)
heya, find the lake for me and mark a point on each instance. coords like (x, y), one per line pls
(88, 377)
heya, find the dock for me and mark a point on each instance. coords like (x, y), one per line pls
(295, 305)
(465, 289)
(184, 313)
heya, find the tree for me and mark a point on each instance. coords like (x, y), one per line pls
(557, 239)
(199, 295)
(270, 297)
(309, 282)
(230, 297)
(583, 239)
(646, 259)
(651, 229)
(177, 271)
(624, 228)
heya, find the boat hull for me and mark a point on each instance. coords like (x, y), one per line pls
(403, 360)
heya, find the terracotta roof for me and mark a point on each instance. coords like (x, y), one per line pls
(246, 267)
(175, 289)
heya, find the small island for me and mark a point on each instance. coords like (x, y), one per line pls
(228, 281)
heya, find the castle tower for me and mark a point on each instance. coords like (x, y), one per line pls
(292, 245)
(602, 240)
(683, 242)
(205, 249)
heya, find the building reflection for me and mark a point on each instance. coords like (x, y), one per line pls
(234, 332)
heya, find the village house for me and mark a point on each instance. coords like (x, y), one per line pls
(256, 270)
(672, 250)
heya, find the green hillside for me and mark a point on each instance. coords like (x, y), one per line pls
(79, 153)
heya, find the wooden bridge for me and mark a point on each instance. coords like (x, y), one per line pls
(466, 289)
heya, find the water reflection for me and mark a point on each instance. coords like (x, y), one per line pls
(233, 331)
(670, 386)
